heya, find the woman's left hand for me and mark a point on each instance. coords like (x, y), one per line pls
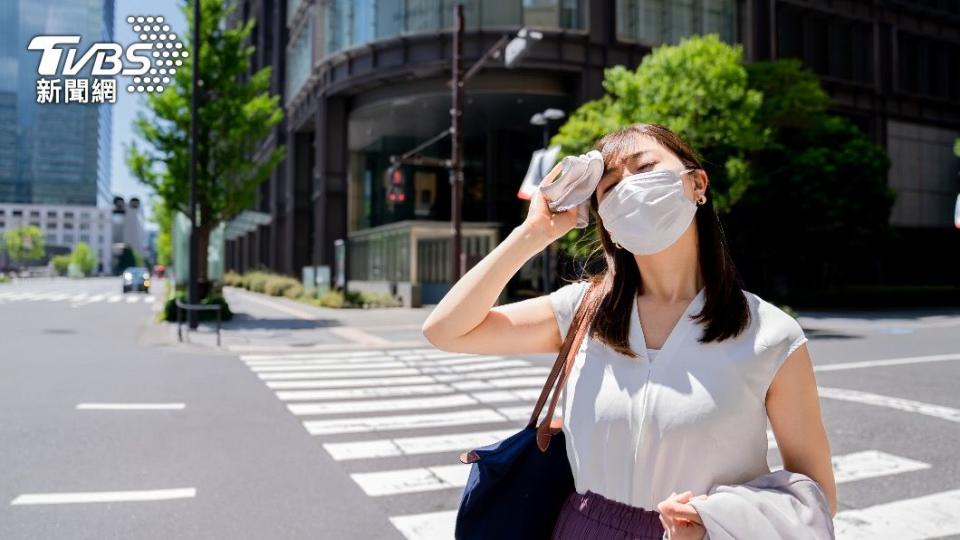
(680, 519)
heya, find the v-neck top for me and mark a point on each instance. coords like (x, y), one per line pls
(690, 416)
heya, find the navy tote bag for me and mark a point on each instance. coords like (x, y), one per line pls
(516, 486)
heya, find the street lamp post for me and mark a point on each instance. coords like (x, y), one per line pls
(194, 97)
(513, 51)
(543, 119)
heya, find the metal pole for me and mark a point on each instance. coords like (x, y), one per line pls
(194, 96)
(546, 250)
(456, 158)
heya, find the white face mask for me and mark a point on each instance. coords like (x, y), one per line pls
(647, 212)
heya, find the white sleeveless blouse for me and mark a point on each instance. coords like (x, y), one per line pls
(693, 416)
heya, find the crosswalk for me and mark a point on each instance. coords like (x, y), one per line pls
(397, 420)
(75, 299)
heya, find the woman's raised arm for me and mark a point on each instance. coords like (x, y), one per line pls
(466, 319)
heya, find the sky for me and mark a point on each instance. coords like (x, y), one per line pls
(128, 105)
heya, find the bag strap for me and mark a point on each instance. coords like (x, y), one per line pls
(561, 367)
(571, 344)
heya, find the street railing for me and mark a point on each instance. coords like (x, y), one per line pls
(184, 307)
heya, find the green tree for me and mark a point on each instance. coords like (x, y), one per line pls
(83, 257)
(163, 217)
(235, 113)
(24, 243)
(819, 192)
(699, 89)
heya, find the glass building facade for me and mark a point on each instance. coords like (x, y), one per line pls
(335, 25)
(655, 22)
(51, 153)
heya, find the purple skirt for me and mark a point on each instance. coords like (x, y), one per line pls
(591, 515)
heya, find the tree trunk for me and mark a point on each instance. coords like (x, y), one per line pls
(203, 242)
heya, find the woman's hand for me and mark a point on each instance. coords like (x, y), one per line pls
(680, 519)
(541, 222)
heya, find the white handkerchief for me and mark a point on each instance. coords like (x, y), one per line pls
(578, 179)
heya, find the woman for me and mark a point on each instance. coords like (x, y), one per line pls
(654, 413)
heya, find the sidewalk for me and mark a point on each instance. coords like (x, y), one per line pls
(270, 323)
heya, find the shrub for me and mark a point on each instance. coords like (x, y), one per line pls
(294, 291)
(233, 279)
(60, 264)
(170, 308)
(256, 281)
(277, 285)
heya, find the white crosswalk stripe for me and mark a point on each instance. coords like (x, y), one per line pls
(936, 515)
(75, 293)
(416, 411)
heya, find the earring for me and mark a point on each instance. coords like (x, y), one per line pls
(702, 199)
(618, 245)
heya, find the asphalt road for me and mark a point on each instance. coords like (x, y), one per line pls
(298, 441)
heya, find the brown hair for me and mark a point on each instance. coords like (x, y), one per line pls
(725, 311)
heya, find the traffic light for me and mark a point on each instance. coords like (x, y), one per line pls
(396, 185)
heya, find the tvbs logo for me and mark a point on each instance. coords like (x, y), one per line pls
(150, 63)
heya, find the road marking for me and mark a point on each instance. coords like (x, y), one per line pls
(415, 421)
(346, 383)
(104, 496)
(148, 299)
(902, 404)
(416, 480)
(322, 367)
(427, 526)
(115, 298)
(314, 356)
(439, 375)
(929, 516)
(293, 375)
(131, 406)
(78, 297)
(888, 362)
(360, 393)
(339, 407)
(362, 361)
(524, 368)
(409, 446)
(133, 299)
(385, 369)
(321, 348)
(508, 382)
(870, 464)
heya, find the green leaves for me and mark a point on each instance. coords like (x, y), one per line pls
(24, 243)
(236, 113)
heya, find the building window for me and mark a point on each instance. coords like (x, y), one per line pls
(68, 215)
(654, 22)
(85, 238)
(68, 226)
(17, 213)
(51, 239)
(923, 173)
(51, 214)
(34, 213)
(927, 67)
(35, 224)
(299, 59)
(84, 226)
(832, 46)
(68, 239)
(52, 224)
